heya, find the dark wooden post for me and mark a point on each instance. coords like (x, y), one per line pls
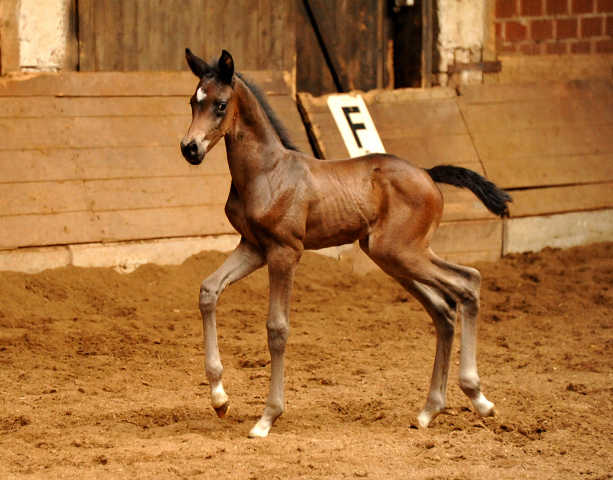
(426, 49)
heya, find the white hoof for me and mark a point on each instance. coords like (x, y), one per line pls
(426, 416)
(484, 407)
(259, 431)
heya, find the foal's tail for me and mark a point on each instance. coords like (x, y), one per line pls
(494, 198)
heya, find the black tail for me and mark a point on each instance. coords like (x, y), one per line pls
(494, 198)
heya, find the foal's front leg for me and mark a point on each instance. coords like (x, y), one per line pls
(244, 260)
(282, 263)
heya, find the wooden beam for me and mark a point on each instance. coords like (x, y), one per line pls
(426, 49)
(9, 36)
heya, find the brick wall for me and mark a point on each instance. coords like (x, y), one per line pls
(537, 27)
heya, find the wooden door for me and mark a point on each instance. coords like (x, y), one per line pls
(141, 35)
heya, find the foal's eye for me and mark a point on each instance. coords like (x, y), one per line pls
(222, 107)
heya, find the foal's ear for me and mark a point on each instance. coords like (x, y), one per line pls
(198, 66)
(226, 67)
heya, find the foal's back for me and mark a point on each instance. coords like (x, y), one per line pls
(349, 198)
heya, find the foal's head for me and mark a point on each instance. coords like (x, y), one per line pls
(213, 105)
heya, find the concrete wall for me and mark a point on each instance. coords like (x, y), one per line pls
(43, 27)
(461, 36)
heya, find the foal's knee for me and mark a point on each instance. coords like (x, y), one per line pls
(208, 297)
(471, 291)
(278, 333)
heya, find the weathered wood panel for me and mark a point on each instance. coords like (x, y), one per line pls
(104, 163)
(547, 201)
(542, 134)
(146, 35)
(131, 84)
(355, 36)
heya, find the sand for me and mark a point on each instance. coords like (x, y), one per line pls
(102, 375)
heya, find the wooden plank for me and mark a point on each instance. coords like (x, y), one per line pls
(462, 205)
(538, 113)
(47, 229)
(526, 92)
(114, 194)
(550, 170)
(25, 107)
(105, 163)
(564, 230)
(41, 198)
(140, 193)
(92, 132)
(472, 236)
(544, 142)
(113, 84)
(163, 223)
(9, 36)
(546, 201)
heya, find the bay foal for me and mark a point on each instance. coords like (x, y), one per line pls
(283, 202)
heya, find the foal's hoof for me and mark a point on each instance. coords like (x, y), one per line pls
(221, 411)
(484, 407)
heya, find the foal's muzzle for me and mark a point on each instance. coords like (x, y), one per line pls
(192, 153)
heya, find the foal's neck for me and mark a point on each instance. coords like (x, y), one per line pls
(252, 144)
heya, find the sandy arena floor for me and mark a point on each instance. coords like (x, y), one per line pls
(102, 375)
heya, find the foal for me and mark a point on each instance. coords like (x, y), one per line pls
(283, 202)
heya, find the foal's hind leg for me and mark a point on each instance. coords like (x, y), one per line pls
(443, 283)
(244, 260)
(443, 311)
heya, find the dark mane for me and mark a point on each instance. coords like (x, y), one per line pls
(270, 113)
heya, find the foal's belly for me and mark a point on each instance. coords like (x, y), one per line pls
(339, 216)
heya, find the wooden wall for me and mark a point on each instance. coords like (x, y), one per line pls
(426, 128)
(143, 35)
(355, 35)
(94, 157)
(549, 143)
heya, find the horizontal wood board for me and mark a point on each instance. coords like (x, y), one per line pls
(95, 157)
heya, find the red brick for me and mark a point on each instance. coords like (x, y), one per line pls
(604, 6)
(604, 46)
(557, 48)
(531, 8)
(541, 29)
(532, 48)
(557, 7)
(591, 27)
(608, 29)
(580, 47)
(506, 8)
(514, 31)
(566, 28)
(582, 6)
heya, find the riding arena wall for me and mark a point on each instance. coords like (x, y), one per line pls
(91, 173)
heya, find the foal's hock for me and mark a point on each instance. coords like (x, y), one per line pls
(282, 202)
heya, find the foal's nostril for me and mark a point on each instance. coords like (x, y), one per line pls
(189, 150)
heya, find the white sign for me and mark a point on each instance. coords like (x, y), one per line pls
(353, 121)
